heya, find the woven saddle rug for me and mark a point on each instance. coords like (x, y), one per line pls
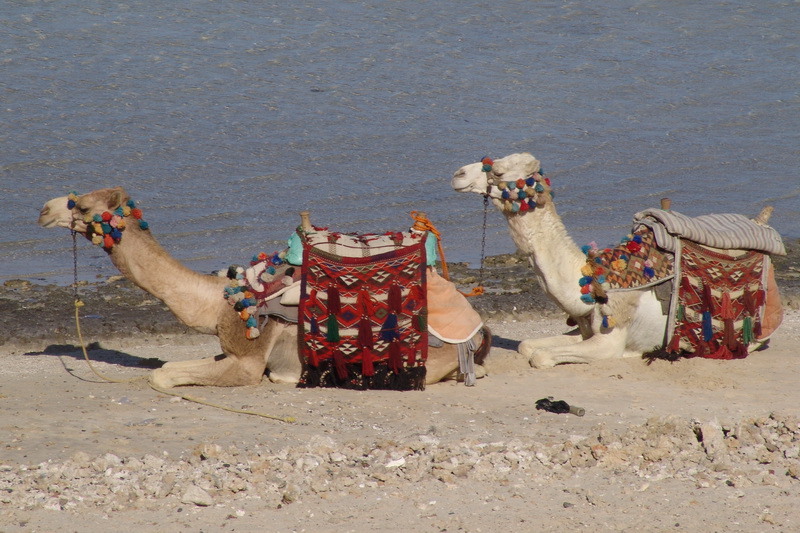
(720, 303)
(717, 300)
(363, 311)
(636, 263)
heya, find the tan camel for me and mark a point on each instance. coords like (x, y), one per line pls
(557, 262)
(197, 300)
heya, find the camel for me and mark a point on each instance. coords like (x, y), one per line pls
(557, 261)
(197, 300)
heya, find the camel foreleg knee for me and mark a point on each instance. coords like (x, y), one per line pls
(218, 371)
(601, 346)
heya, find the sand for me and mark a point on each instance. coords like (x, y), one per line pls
(684, 446)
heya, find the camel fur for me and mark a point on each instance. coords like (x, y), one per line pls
(557, 262)
(197, 300)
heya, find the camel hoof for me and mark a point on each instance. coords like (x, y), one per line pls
(536, 358)
(540, 361)
(159, 379)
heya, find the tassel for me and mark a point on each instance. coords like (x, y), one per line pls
(389, 331)
(747, 330)
(421, 322)
(338, 361)
(708, 330)
(367, 368)
(334, 302)
(741, 351)
(314, 325)
(395, 299)
(729, 335)
(312, 300)
(333, 329)
(395, 357)
(749, 303)
(726, 313)
(365, 341)
(702, 349)
(708, 299)
(364, 303)
(726, 309)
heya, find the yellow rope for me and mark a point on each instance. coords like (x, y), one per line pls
(422, 223)
(79, 304)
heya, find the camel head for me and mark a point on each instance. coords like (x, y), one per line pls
(101, 216)
(514, 183)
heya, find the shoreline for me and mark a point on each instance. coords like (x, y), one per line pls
(31, 313)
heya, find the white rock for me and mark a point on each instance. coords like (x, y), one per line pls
(197, 496)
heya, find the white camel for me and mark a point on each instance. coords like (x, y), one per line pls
(198, 301)
(557, 261)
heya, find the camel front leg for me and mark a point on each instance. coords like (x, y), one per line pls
(600, 346)
(244, 361)
(219, 371)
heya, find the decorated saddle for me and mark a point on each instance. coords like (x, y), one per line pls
(363, 310)
(367, 306)
(719, 302)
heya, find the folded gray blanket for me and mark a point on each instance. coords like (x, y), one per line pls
(726, 230)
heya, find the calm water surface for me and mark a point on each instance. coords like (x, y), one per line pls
(224, 119)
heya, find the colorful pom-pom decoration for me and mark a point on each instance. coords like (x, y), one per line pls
(105, 229)
(517, 196)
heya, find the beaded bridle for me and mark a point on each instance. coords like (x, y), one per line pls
(105, 229)
(517, 196)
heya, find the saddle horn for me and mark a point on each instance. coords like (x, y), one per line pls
(763, 216)
(305, 221)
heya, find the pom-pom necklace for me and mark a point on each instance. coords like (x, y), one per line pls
(105, 229)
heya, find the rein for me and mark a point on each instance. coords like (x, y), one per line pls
(421, 223)
(79, 304)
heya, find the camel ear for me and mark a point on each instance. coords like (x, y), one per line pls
(118, 197)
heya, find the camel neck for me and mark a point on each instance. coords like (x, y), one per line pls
(188, 294)
(541, 234)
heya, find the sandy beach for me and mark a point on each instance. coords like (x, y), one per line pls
(690, 445)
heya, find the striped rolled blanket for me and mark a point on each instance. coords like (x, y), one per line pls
(727, 231)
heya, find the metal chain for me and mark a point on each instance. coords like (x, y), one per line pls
(75, 265)
(483, 237)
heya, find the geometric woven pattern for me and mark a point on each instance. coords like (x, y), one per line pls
(363, 319)
(635, 263)
(721, 300)
(638, 262)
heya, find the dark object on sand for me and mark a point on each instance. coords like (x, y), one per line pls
(558, 406)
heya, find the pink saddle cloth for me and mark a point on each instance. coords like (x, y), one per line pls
(450, 316)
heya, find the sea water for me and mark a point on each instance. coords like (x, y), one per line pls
(224, 119)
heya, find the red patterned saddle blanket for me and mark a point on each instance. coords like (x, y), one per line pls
(363, 311)
(720, 303)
